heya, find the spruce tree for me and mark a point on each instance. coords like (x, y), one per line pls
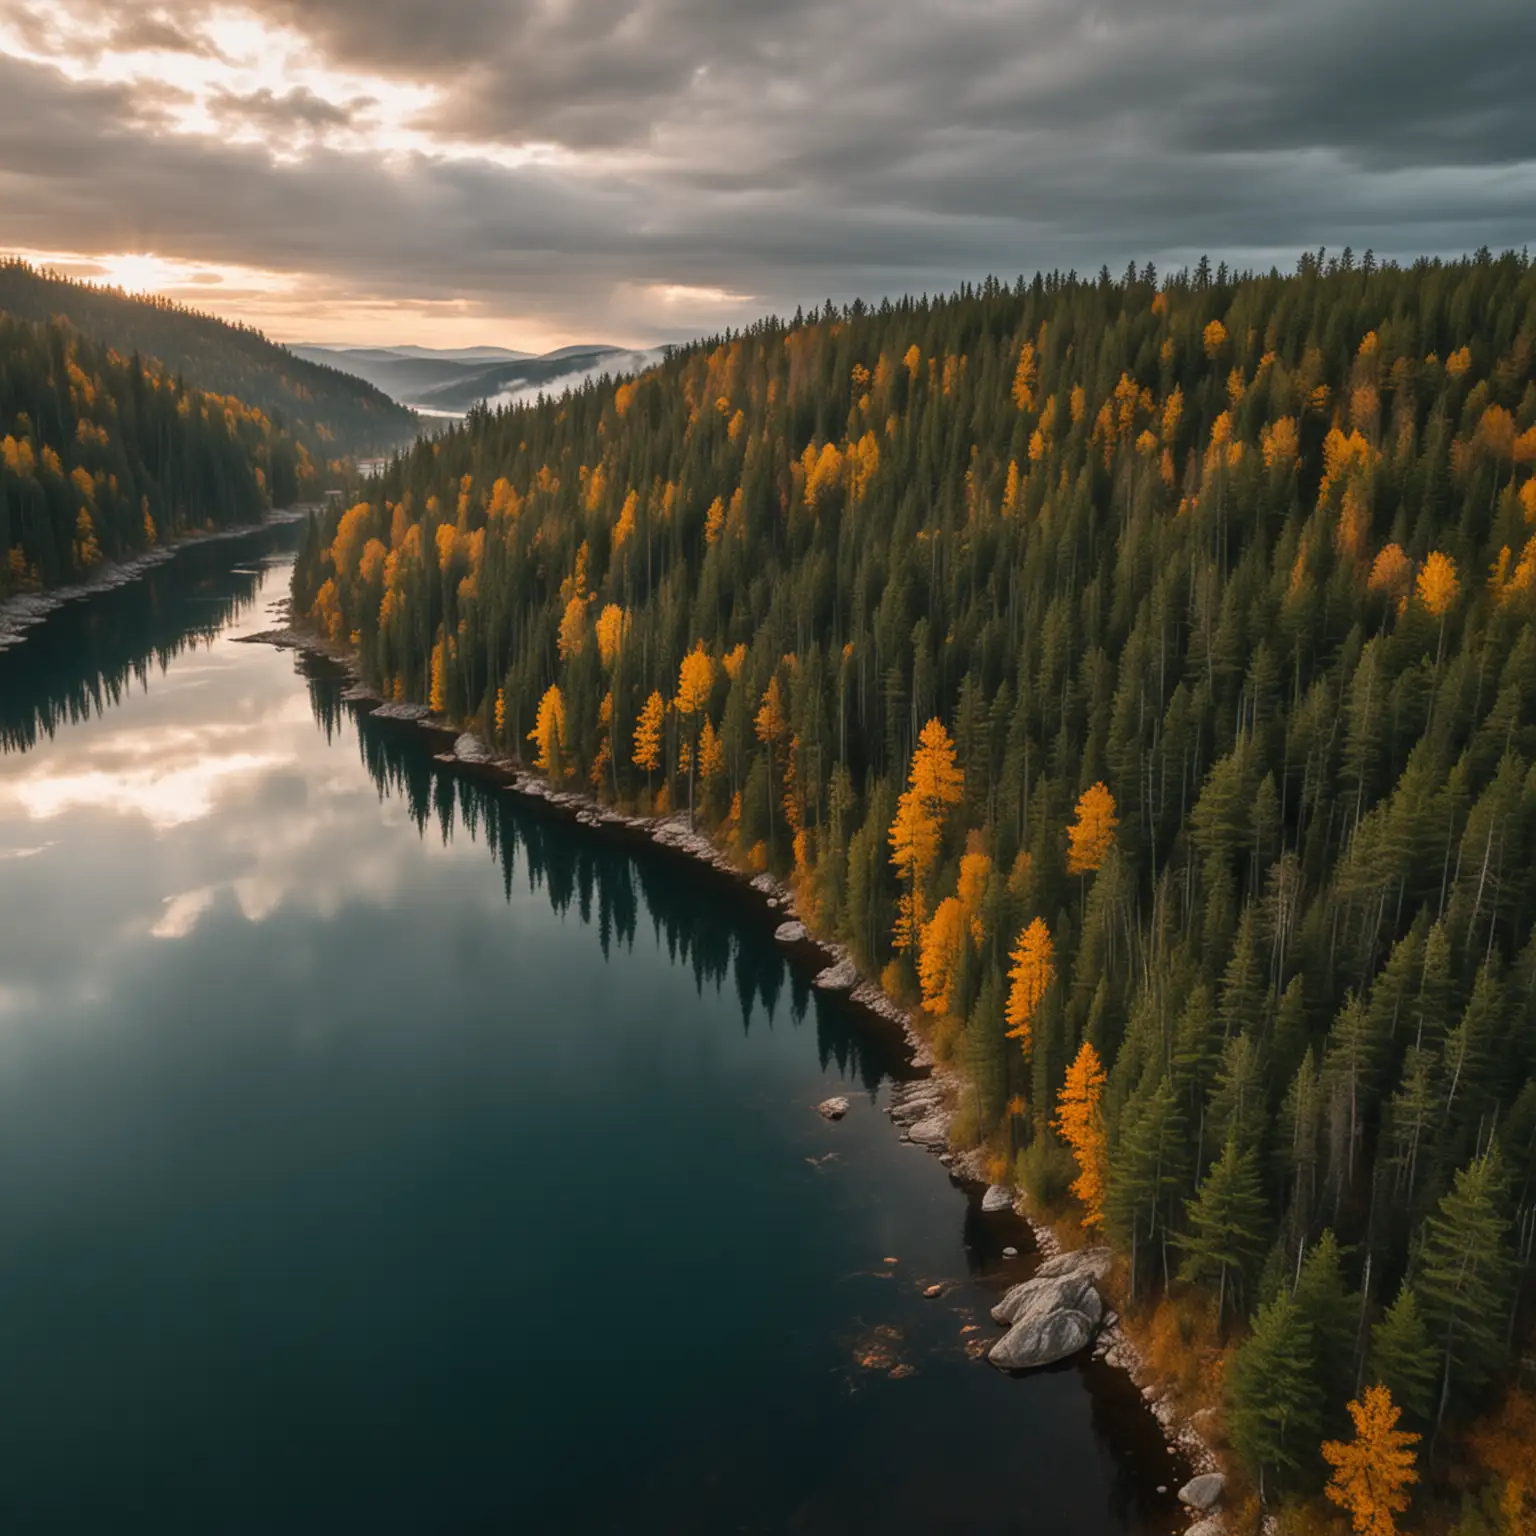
(1273, 1401)
(1226, 1236)
(1403, 1358)
(1463, 1278)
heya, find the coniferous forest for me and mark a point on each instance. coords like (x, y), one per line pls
(332, 413)
(1140, 673)
(103, 457)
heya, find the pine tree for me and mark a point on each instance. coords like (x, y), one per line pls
(1463, 1275)
(1273, 1402)
(1226, 1221)
(1403, 1358)
(1330, 1311)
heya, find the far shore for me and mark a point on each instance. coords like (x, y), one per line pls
(20, 613)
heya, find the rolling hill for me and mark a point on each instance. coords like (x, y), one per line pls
(331, 411)
(451, 382)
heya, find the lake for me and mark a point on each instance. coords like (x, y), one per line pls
(380, 1152)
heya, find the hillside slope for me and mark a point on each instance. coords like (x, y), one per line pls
(103, 457)
(333, 412)
(1141, 674)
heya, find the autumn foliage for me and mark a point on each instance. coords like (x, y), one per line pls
(1373, 1472)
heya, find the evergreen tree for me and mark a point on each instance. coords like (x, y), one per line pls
(1403, 1358)
(1226, 1224)
(1274, 1407)
(1463, 1277)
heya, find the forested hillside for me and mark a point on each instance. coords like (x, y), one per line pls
(331, 412)
(103, 457)
(1142, 673)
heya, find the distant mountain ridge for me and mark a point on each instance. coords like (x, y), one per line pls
(333, 410)
(453, 381)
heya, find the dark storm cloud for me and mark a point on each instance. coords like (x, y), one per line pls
(803, 149)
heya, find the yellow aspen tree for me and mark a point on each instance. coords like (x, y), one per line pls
(648, 736)
(1092, 834)
(1034, 969)
(1391, 573)
(1214, 339)
(604, 757)
(1080, 1123)
(501, 711)
(573, 628)
(612, 632)
(943, 938)
(714, 521)
(1373, 1472)
(711, 753)
(1438, 584)
(1011, 490)
(548, 734)
(624, 528)
(971, 889)
(437, 697)
(1438, 588)
(935, 784)
(695, 679)
(1024, 377)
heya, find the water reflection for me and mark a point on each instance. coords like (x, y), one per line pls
(361, 1118)
(90, 656)
(722, 941)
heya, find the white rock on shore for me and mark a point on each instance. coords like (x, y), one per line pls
(1041, 1341)
(790, 933)
(932, 1132)
(841, 977)
(400, 712)
(833, 1108)
(997, 1198)
(1203, 1492)
(468, 748)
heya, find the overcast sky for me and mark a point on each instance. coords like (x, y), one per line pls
(534, 172)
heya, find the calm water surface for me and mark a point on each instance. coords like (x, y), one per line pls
(380, 1154)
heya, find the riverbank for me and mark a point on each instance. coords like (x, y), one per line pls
(923, 1111)
(20, 613)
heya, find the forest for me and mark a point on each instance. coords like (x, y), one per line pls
(1137, 674)
(103, 457)
(332, 413)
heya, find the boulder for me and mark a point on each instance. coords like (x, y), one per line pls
(468, 748)
(833, 1108)
(842, 977)
(1092, 1262)
(1043, 1294)
(1034, 1342)
(789, 933)
(997, 1198)
(1010, 1253)
(1211, 1527)
(1203, 1492)
(932, 1132)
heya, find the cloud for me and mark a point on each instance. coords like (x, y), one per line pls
(579, 160)
(297, 108)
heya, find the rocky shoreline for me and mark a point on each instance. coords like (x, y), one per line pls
(20, 613)
(923, 1109)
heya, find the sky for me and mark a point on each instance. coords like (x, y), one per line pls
(531, 173)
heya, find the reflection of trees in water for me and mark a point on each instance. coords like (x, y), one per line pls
(88, 656)
(610, 887)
